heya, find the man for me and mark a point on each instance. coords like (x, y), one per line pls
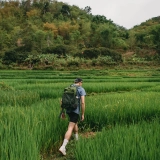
(74, 115)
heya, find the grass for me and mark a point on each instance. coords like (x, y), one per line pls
(138, 141)
(117, 102)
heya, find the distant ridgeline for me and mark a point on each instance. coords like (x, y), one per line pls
(32, 31)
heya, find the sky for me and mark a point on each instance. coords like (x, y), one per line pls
(126, 13)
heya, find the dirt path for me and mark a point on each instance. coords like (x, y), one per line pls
(70, 149)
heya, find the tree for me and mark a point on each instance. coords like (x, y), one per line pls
(15, 55)
(45, 7)
(74, 37)
(156, 37)
(100, 19)
(65, 28)
(39, 39)
(65, 10)
(26, 6)
(88, 9)
(27, 35)
(131, 41)
(75, 12)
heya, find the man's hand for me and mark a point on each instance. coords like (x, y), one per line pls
(82, 118)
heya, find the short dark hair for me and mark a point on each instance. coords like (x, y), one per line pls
(77, 80)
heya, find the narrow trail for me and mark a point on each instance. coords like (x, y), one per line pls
(69, 149)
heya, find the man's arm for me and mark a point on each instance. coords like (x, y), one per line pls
(83, 106)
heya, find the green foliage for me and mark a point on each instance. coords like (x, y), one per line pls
(156, 36)
(91, 53)
(146, 36)
(44, 24)
(100, 19)
(59, 28)
(111, 53)
(75, 62)
(132, 142)
(125, 103)
(15, 55)
(58, 50)
(101, 51)
(5, 87)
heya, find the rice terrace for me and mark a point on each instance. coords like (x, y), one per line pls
(122, 117)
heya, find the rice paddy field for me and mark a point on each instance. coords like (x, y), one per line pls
(122, 118)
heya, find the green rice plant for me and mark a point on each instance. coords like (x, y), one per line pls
(4, 86)
(87, 75)
(46, 74)
(45, 90)
(16, 140)
(115, 87)
(154, 88)
(134, 142)
(27, 132)
(120, 108)
(30, 107)
(18, 98)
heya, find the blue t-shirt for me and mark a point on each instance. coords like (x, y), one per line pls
(80, 92)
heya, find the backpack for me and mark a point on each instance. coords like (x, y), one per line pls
(70, 98)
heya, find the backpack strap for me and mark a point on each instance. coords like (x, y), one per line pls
(72, 85)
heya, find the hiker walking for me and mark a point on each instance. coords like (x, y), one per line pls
(74, 114)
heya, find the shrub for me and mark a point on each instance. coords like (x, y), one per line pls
(157, 57)
(102, 51)
(91, 53)
(15, 55)
(111, 53)
(59, 50)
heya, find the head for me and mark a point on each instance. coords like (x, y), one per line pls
(78, 81)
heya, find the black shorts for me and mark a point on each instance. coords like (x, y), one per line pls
(73, 117)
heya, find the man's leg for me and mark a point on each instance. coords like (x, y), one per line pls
(67, 137)
(68, 134)
(76, 131)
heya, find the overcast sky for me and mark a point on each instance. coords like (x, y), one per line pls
(126, 13)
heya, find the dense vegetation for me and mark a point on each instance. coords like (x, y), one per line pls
(121, 120)
(37, 32)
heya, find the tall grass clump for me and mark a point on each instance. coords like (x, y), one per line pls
(30, 106)
(121, 108)
(28, 132)
(117, 86)
(18, 98)
(45, 91)
(134, 142)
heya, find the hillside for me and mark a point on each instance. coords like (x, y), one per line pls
(148, 24)
(33, 29)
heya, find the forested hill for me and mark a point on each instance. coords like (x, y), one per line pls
(29, 28)
(155, 21)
